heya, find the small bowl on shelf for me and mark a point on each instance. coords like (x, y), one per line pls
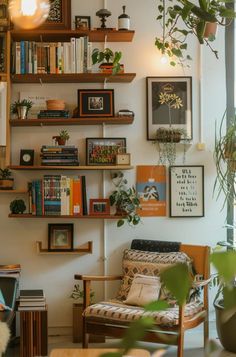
(55, 104)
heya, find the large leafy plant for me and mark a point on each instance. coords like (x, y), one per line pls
(182, 18)
(125, 199)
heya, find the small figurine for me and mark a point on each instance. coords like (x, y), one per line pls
(124, 21)
(103, 13)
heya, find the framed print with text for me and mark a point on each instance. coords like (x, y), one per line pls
(169, 102)
(186, 191)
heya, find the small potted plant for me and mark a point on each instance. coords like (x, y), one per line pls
(21, 108)
(225, 161)
(62, 138)
(110, 60)
(6, 181)
(167, 138)
(125, 200)
(17, 207)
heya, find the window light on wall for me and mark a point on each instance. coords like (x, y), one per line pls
(28, 14)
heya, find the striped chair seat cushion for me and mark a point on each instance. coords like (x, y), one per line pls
(115, 311)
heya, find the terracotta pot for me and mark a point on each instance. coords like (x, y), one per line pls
(108, 68)
(210, 29)
(168, 136)
(59, 140)
(6, 184)
(55, 104)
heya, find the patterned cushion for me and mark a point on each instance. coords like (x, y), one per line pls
(147, 263)
(114, 310)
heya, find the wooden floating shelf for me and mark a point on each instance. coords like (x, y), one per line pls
(88, 168)
(84, 249)
(72, 121)
(14, 191)
(65, 35)
(73, 78)
(26, 215)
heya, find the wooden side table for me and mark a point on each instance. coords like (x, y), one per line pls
(33, 333)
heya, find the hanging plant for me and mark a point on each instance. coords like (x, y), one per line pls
(185, 18)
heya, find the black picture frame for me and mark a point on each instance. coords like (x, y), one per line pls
(59, 16)
(103, 151)
(95, 103)
(60, 237)
(186, 185)
(26, 157)
(82, 22)
(158, 113)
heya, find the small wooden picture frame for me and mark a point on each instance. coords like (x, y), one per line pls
(82, 22)
(60, 237)
(123, 159)
(26, 157)
(99, 207)
(95, 103)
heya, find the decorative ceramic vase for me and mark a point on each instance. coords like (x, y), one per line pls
(225, 328)
(22, 112)
(6, 184)
(123, 21)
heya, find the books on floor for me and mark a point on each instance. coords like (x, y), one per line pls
(32, 300)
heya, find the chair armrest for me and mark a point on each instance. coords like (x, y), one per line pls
(97, 277)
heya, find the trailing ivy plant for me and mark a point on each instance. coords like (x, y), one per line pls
(182, 18)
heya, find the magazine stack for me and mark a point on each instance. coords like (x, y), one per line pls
(32, 300)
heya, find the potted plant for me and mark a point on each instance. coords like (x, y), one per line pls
(224, 302)
(21, 108)
(110, 60)
(17, 207)
(62, 138)
(167, 138)
(225, 161)
(6, 181)
(195, 17)
(125, 200)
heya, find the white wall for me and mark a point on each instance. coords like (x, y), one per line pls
(17, 236)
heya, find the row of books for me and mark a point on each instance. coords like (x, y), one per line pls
(58, 195)
(30, 57)
(59, 155)
(31, 300)
(53, 114)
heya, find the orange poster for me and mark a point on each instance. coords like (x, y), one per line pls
(151, 188)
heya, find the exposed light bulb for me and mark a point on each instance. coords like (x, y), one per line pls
(28, 14)
(164, 59)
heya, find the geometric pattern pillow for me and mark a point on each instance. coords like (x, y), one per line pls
(148, 263)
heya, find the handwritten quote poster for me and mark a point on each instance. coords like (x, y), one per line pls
(186, 191)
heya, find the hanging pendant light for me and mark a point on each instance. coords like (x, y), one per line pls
(28, 14)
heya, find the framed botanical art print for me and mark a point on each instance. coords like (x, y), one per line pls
(60, 237)
(103, 151)
(59, 16)
(169, 103)
(94, 103)
(186, 191)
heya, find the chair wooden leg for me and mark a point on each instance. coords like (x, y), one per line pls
(85, 335)
(180, 345)
(206, 332)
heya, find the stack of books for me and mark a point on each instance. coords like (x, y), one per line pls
(74, 56)
(32, 300)
(62, 155)
(58, 195)
(10, 270)
(53, 114)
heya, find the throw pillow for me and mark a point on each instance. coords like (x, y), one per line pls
(2, 301)
(144, 289)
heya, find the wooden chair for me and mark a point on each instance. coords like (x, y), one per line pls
(173, 335)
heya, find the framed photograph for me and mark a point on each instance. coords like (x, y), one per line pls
(186, 191)
(169, 101)
(99, 207)
(82, 22)
(26, 157)
(59, 16)
(103, 151)
(94, 103)
(123, 159)
(60, 237)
